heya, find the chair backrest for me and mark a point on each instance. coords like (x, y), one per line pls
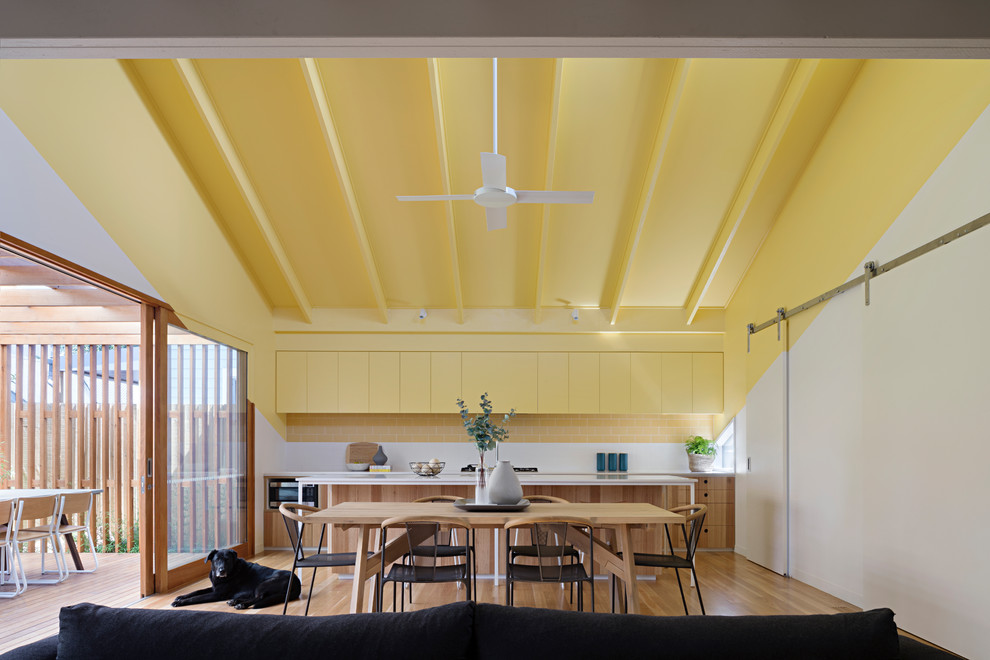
(77, 503)
(437, 498)
(694, 520)
(38, 508)
(7, 508)
(424, 535)
(294, 516)
(546, 499)
(550, 557)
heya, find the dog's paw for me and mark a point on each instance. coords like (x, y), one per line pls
(242, 606)
(178, 602)
(233, 602)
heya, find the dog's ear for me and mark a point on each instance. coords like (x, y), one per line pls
(210, 557)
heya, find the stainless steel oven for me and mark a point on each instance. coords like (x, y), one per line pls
(286, 489)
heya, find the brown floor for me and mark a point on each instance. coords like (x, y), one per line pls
(730, 585)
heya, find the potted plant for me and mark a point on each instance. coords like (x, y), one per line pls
(701, 453)
(486, 435)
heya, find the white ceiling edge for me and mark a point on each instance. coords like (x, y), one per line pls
(37, 207)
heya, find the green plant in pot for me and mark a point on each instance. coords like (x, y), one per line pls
(701, 453)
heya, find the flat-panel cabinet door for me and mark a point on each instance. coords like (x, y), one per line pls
(551, 383)
(290, 382)
(445, 382)
(383, 386)
(352, 381)
(707, 382)
(676, 383)
(613, 382)
(508, 378)
(322, 379)
(582, 379)
(414, 382)
(644, 383)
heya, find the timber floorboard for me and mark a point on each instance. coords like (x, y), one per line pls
(730, 585)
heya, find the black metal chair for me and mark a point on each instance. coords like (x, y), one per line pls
(517, 550)
(694, 519)
(550, 565)
(423, 538)
(449, 547)
(293, 515)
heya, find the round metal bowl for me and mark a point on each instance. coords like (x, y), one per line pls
(426, 469)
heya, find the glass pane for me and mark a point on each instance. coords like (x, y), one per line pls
(207, 447)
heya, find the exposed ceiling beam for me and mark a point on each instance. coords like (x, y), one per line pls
(797, 83)
(221, 138)
(318, 93)
(675, 91)
(436, 92)
(34, 275)
(558, 71)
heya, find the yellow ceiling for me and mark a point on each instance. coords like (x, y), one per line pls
(691, 162)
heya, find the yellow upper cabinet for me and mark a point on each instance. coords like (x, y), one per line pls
(445, 381)
(676, 392)
(290, 382)
(321, 369)
(383, 382)
(414, 382)
(352, 379)
(582, 380)
(509, 379)
(644, 383)
(707, 382)
(552, 383)
(613, 382)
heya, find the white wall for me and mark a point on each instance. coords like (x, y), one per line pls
(888, 436)
(37, 207)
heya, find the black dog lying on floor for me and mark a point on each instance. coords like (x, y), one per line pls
(243, 584)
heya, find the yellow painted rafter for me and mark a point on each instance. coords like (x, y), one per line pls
(436, 93)
(558, 74)
(797, 84)
(675, 91)
(201, 98)
(318, 93)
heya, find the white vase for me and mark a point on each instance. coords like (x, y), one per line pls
(504, 486)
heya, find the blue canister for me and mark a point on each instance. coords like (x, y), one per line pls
(600, 461)
(613, 462)
(623, 462)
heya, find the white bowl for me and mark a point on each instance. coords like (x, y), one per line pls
(358, 467)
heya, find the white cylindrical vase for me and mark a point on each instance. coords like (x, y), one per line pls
(504, 487)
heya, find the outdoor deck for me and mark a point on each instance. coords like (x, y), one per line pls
(730, 585)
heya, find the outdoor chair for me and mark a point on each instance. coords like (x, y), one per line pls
(47, 508)
(8, 515)
(81, 504)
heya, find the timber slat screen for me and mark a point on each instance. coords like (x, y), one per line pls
(207, 484)
(69, 419)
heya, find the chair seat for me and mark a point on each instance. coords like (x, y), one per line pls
(327, 560)
(72, 529)
(441, 551)
(24, 535)
(545, 551)
(661, 561)
(565, 573)
(407, 573)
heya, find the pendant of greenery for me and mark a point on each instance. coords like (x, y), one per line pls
(698, 445)
(485, 433)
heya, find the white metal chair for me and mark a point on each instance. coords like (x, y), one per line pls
(39, 508)
(7, 517)
(77, 503)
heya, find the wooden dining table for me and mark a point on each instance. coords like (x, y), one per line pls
(618, 516)
(7, 494)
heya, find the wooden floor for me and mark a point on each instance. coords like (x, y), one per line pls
(730, 585)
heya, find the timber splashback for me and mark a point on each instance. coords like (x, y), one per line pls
(446, 427)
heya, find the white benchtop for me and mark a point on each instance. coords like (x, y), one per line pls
(467, 478)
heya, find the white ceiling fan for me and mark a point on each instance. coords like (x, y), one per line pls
(494, 194)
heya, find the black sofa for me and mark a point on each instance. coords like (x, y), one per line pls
(466, 630)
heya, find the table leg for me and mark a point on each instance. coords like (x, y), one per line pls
(360, 569)
(71, 543)
(629, 562)
(495, 553)
(692, 560)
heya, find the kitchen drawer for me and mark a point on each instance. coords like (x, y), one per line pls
(713, 537)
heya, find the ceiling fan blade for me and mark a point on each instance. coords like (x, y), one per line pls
(492, 170)
(431, 198)
(497, 218)
(555, 196)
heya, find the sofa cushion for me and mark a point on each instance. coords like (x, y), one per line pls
(43, 649)
(91, 632)
(523, 633)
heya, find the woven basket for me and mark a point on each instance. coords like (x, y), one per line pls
(700, 462)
